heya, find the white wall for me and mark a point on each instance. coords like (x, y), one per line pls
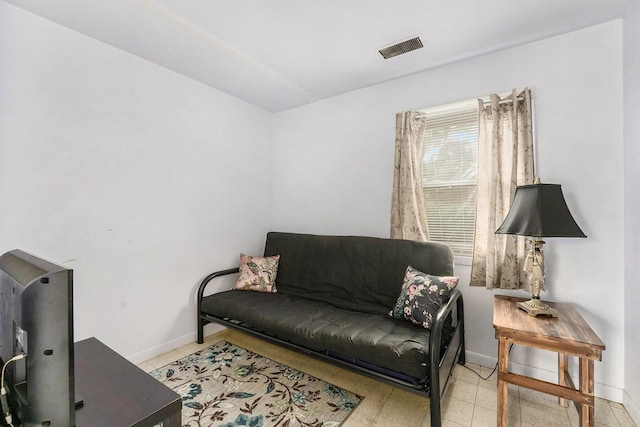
(632, 207)
(141, 180)
(333, 167)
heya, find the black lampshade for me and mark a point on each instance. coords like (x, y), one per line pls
(539, 210)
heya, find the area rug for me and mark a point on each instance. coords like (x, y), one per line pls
(227, 386)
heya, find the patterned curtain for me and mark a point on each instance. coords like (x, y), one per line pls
(505, 160)
(408, 216)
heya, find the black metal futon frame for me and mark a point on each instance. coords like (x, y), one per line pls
(446, 341)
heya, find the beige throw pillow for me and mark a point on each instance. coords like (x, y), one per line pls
(258, 273)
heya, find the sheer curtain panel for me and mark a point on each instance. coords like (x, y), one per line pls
(505, 160)
(408, 217)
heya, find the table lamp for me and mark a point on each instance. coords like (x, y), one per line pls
(538, 211)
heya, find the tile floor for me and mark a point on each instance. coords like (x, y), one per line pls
(470, 401)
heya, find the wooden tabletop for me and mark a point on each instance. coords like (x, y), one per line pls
(118, 393)
(568, 333)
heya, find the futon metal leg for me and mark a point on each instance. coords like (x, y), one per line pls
(462, 357)
(200, 330)
(436, 414)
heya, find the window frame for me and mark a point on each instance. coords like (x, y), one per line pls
(468, 109)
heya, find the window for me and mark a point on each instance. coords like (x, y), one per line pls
(449, 169)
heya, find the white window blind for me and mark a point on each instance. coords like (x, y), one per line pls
(449, 169)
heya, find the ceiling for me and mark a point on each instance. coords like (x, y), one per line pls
(280, 54)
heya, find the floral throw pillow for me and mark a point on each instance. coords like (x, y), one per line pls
(421, 296)
(258, 273)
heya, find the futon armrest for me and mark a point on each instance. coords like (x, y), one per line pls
(209, 278)
(435, 339)
(454, 302)
(201, 289)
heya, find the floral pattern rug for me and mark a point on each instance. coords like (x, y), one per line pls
(227, 386)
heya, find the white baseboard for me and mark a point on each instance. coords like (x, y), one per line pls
(632, 408)
(600, 390)
(480, 359)
(168, 346)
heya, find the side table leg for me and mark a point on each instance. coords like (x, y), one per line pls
(503, 367)
(587, 411)
(563, 368)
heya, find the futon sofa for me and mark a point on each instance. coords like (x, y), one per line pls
(333, 298)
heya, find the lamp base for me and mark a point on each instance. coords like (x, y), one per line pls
(535, 307)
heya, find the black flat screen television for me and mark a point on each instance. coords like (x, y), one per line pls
(36, 315)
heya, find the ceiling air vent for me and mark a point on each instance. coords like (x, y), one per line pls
(400, 48)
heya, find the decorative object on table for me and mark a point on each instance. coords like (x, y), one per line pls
(226, 385)
(538, 211)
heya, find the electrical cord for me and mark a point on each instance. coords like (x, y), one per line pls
(479, 375)
(3, 391)
(495, 368)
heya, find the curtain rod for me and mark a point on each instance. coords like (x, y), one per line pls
(473, 102)
(502, 100)
(504, 97)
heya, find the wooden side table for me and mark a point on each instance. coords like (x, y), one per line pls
(568, 335)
